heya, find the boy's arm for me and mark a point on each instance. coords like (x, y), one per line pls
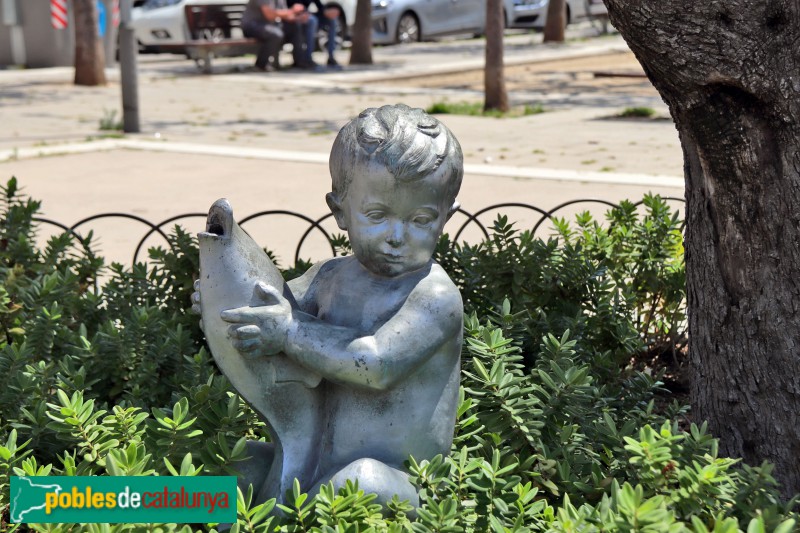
(430, 317)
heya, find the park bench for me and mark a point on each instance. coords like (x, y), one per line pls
(214, 31)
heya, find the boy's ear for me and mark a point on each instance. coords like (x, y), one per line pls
(453, 209)
(335, 205)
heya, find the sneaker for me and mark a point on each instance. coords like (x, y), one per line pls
(307, 65)
(333, 64)
(263, 68)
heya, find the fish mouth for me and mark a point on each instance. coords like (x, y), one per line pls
(220, 220)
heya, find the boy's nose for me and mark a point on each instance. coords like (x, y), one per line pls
(395, 236)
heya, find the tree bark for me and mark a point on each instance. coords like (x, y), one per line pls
(494, 81)
(728, 70)
(89, 57)
(556, 21)
(361, 51)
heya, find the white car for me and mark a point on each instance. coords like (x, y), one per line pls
(160, 24)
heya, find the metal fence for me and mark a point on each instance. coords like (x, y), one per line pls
(476, 220)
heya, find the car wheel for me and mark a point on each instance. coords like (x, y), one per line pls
(408, 29)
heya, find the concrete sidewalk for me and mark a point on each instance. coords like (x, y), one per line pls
(263, 139)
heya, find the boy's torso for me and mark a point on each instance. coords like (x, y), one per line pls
(416, 416)
(346, 295)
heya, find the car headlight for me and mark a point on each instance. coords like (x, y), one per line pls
(381, 4)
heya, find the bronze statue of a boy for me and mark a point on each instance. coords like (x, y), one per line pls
(382, 327)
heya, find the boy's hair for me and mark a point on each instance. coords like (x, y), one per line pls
(410, 143)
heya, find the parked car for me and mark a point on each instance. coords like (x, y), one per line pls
(157, 23)
(533, 13)
(598, 12)
(402, 21)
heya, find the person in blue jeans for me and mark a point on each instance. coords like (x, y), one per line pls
(325, 17)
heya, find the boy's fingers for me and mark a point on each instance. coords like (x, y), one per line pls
(196, 309)
(197, 284)
(239, 315)
(244, 332)
(247, 345)
(247, 314)
(196, 297)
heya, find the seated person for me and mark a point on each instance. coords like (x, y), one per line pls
(270, 21)
(383, 327)
(324, 17)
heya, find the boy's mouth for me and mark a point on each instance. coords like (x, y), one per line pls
(393, 258)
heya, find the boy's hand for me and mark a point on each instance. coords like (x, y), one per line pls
(262, 329)
(196, 301)
(196, 298)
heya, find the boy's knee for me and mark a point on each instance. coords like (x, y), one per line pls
(253, 471)
(376, 477)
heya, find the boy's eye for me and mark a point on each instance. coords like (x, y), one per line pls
(422, 220)
(376, 216)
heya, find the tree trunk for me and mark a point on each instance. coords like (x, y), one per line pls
(556, 21)
(361, 51)
(89, 56)
(494, 81)
(728, 70)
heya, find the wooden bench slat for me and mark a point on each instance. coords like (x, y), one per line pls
(211, 28)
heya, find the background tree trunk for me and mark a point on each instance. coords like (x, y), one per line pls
(89, 57)
(494, 81)
(728, 70)
(556, 21)
(361, 51)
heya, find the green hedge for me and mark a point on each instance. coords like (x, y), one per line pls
(558, 426)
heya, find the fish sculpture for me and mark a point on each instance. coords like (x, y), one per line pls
(285, 394)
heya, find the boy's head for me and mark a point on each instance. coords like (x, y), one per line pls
(410, 143)
(396, 172)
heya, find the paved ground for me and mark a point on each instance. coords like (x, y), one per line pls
(262, 139)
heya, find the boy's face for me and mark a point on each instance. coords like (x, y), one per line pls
(393, 226)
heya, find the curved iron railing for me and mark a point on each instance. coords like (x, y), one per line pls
(316, 223)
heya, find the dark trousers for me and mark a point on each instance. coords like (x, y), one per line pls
(295, 34)
(271, 38)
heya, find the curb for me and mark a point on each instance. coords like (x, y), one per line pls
(292, 156)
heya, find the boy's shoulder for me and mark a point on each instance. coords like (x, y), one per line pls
(439, 277)
(434, 286)
(437, 286)
(327, 267)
